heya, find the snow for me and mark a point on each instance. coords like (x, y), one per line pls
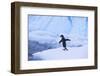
(59, 53)
(46, 30)
(50, 38)
(41, 36)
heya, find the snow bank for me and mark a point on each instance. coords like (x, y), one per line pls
(58, 53)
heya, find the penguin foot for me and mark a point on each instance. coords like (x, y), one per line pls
(65, 49)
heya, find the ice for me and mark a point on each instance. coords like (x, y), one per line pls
(59, 53)
(44, 36)
(47, 29)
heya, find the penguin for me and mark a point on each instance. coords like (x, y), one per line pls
(63, 40)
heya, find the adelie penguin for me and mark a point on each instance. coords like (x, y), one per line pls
(63, 40)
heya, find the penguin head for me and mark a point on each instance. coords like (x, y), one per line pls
(61, 35)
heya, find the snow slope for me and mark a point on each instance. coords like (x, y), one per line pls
(59, 53)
